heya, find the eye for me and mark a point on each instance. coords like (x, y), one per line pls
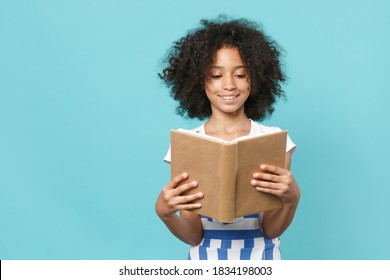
(241, 76)
(216, 76)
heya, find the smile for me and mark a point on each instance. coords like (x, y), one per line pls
(228, 97)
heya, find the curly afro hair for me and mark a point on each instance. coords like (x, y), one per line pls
(188, 60)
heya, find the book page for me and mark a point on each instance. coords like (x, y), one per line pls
(235, 140)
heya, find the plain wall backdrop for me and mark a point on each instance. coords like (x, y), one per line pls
(84, 124)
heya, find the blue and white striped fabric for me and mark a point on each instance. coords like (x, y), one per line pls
(240, 240)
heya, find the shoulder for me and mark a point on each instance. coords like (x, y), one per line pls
(258, 128)
(199, 129)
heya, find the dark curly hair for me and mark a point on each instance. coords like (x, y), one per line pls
(188, 60)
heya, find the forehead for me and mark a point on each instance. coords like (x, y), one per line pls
(227, 57)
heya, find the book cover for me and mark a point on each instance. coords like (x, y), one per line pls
(224, 170)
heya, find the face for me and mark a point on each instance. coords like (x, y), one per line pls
(227, 85)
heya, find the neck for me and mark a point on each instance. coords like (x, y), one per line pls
(228, 128)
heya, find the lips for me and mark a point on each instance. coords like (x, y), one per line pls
(229, 97)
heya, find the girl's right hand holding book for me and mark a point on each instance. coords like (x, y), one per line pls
(171, 198)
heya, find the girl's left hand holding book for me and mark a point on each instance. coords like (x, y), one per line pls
(277, 181)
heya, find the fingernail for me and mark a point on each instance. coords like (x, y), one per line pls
(253, 183)
(194, 183)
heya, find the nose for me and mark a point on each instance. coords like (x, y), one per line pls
(228, 83)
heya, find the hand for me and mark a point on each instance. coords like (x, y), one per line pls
(277, 181)
(170, 199)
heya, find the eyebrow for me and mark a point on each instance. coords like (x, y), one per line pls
(235, 67)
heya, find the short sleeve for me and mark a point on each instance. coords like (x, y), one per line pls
(258, 128)
(290, 145)
(167, 157)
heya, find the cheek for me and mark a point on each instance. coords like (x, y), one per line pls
(245, 86)
(208, 90)
(248, 86)
(211, 86)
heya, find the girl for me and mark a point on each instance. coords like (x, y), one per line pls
(228, 72)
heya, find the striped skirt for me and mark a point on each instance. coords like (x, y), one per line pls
(241, 240)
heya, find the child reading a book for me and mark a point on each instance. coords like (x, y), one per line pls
(228, 72)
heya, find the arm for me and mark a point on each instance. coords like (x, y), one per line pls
(187, 227)
(280, 182)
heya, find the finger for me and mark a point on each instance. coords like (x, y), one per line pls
(185, 199)
(185, 187)
(266, 184)
(185, 202)
(189, 206)
(170, 195)
(176, 180)
(268, 177)
(273, 169)
(270, 191)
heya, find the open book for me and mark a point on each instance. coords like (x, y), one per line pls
(224, 170)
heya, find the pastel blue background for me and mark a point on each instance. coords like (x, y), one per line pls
(84, 124)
